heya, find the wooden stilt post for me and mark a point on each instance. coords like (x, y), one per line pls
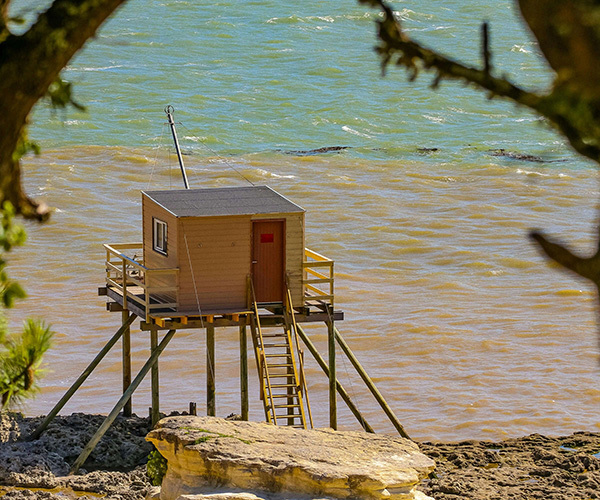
(340, 388)
(332, 373)
(244, 371)
(121, 403)
(82, 378)
(155, 378)
(210, 370)
(369, 383)
(126, 363)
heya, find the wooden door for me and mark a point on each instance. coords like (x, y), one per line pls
(268, 257)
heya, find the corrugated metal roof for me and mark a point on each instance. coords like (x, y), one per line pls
(223, 201)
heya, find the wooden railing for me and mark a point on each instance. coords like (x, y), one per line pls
(318, 279)
(156, 289)
(147, 289)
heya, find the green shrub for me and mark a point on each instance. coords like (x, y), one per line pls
(20, 353)
(156, 468)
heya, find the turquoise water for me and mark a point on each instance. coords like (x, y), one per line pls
(260, 76)
(463, 325)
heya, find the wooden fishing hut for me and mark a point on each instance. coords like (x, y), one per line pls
(226, 257)
(211, 240)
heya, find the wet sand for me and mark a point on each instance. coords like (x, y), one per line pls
(532, 467)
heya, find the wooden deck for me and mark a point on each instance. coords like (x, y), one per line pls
(151, 294)
(167, 318)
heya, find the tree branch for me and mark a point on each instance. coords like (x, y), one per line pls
(29, 64)
(410, 54)
(568, 36)
(4, 19)
(586, 267)
(572, 112)
(36, 58)
(485, 49)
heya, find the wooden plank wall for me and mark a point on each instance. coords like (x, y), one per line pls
(220, 254)
(152, 258)
(220, 250)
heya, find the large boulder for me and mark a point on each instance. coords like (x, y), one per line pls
(207, 455)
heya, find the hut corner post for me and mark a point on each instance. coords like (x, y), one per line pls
(244, 371)
(332, 372)
(211, 407)
(126, 354)
(154, 375)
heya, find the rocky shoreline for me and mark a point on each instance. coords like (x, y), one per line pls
(39, 469)
(532, 467)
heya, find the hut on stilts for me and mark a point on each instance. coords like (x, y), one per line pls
(226, 257)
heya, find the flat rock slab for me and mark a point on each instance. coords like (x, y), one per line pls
(207, 453)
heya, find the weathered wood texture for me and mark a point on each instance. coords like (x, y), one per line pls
(29, 63)
(214, 255)
(268, 269)
(294, 251)
(219, 252)
(152, 258)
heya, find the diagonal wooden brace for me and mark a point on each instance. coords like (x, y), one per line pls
(121, 403)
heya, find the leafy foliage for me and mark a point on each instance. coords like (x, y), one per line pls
(11, 235)
(60, 95)
(20, 357)
(156, 468)
(20, 354)
(31, 61)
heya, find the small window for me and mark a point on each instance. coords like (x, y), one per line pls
(160, 236)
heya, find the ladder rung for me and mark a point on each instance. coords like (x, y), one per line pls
(289, 396)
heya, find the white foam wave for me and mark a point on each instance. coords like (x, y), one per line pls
(102, 68)
(345, 128)
(273, 175)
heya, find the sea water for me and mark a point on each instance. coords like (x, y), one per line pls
(465, 328)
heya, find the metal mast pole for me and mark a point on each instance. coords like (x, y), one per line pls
(169, 110)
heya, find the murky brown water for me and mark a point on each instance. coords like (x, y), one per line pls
(465, 328)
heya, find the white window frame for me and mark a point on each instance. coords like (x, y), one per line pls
(159, 236)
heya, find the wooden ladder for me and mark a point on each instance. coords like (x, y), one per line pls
(280, 375)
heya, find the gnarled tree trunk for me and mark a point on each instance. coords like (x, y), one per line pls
(29, 64)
